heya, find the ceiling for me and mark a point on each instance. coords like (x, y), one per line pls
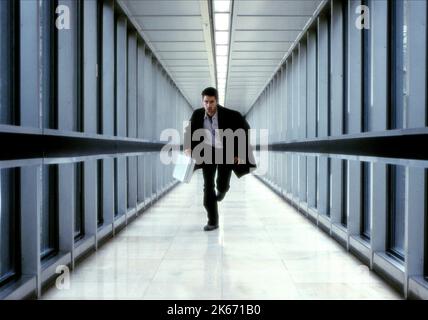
(179, 33)
(261, 34)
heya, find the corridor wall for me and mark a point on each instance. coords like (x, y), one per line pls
(82, 108)
(340, 89)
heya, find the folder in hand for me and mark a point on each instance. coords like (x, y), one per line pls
(184, 166)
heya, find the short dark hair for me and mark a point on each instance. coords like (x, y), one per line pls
(210, 92)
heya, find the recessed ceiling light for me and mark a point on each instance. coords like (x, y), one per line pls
(221, 5)
(221, 21)
(222, 50)
(221, 37)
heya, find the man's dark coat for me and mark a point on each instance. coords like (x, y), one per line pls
(227, 119)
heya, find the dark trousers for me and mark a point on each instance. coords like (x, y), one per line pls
(222, 183)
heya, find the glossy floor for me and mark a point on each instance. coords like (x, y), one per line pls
(263, 249)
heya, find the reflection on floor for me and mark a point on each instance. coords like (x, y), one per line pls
(264, 249)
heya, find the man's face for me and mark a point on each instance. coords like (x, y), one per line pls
(210, 105)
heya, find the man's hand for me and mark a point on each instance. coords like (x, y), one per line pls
(238, 160)
(188, 152)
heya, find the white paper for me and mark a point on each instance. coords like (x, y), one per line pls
(184, 166)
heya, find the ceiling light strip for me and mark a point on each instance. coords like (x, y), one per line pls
(222, 19)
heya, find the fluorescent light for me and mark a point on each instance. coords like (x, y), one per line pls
(221, 37)
(221, 21)
(221, 76)
(222, 27)
(222, 50)
(221, 68)
(221, 60)
(221, 5)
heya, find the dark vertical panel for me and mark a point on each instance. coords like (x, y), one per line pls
(9, 221)
(6, 65)
(132, 85)
(67, 71)
(316, 129)
(311, 84)
(89, 66)
(50, 207)
(99, 69)
(116, 188)
(154, 101)
(132, 182)
(396, 209)
(100, 191)
(148, 174)
(426, 224)
(121, 186)
(366, 186)
(79, 66)
(397, 52)
(154, 173)
(366, 70)
(107, 60)
(316, 182)
(108, 190)
(323, 75)
(345, 67)
(323, 184)
(329, 78)
(141, 188)
(344, 215)
(48, 76)
(140, 91)
(147, 93)
(329, 187)
(29, 63)
(121, 75)
(115, 93)
(79, 215)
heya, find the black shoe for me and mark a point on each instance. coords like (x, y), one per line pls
(220, 196)
(210, 227)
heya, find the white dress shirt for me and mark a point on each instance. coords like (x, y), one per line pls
(212, 126)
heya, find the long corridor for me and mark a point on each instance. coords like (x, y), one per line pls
(264, 249)
(97, 95)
